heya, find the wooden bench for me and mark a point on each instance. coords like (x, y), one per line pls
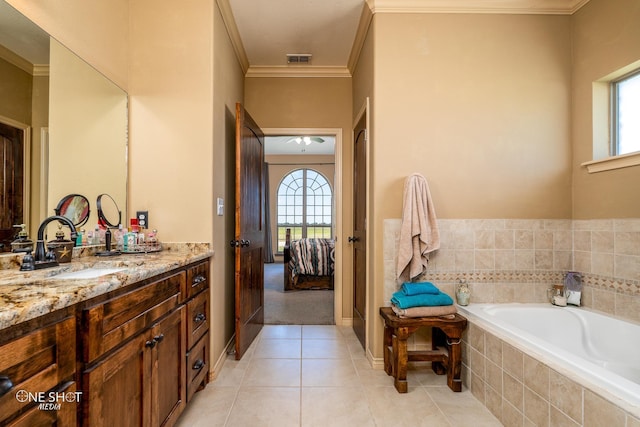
(445, 356)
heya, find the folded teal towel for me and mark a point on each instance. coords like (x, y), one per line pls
(422, 300)
(416, 288)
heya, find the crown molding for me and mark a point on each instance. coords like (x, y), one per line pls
(361, 34)
(234, 34)
(547, 7)
(297, 71)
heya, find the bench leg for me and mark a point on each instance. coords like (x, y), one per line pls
(387, 349)
(400, 359)
(454, 365)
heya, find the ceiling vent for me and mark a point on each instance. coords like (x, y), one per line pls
(299, 58)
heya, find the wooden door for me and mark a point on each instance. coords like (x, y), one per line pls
(11, 183)
(249, 231)
(359, 238)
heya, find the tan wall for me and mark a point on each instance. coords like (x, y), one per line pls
(171, 108)
(228, 85)
(606, 38)
(479, 104)
(311, 103)
(97, 30)
(282, 165)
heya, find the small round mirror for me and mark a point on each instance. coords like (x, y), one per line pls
(75, 207)
(108, 212)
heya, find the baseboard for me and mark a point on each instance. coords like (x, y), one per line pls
(375, 362)
(217, 367)
(346, 321)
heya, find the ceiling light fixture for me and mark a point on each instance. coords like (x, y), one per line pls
(306, 139)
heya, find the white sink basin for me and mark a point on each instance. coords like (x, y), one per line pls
(88, 273)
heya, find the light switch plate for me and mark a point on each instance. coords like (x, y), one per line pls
(220, 206)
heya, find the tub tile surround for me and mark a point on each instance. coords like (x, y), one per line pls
(522, 391)
(517, 260)
(507, 260)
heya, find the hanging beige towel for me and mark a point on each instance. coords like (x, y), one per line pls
(419, 233)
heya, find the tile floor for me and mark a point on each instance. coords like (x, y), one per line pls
(296, 375)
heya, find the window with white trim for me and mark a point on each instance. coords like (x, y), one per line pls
(625, 114)
(304, 205)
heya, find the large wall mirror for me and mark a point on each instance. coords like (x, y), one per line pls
(63, 126)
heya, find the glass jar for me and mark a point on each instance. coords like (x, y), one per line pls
(463, 293)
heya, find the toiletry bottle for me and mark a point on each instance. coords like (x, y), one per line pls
(120, 238)
(96, 235)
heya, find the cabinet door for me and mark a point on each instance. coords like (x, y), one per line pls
(64, 416)
(169, 376)
(118, 388)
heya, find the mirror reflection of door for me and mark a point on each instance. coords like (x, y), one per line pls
(11, 183)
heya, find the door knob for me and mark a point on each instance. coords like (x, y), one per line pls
(353, 239)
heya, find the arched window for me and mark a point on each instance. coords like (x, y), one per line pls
(304, 206)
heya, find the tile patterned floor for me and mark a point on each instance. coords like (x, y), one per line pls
(318, 376)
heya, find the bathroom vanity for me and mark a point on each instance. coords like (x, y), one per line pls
(123, 342)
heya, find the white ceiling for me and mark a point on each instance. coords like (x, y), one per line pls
(272, 28)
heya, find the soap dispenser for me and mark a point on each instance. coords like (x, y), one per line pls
(22, 243)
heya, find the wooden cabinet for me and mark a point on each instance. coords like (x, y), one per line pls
(133, 350)
(38, 368)
(138, 355)
(146, 351)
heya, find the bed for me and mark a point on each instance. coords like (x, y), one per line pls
(308, 263)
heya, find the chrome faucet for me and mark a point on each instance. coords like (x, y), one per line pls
(42, 258)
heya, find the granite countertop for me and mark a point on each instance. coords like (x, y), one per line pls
(25, 295)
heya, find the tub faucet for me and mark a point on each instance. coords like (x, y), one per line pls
(42, 258)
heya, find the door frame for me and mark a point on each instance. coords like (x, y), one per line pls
(337, 184)
(365, 110)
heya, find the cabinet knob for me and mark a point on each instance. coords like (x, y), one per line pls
(150, 343)
(200, 317)
(158, 338)
(352, 239)
(198, 279)
(5, 385)
(198, 365)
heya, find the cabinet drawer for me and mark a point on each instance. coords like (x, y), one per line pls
(36, 363)
(197, 317)
(197, 365)
(197, 279)
(108, 324)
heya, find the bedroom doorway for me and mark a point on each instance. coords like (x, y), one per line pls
(292, 157)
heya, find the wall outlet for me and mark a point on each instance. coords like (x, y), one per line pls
(143, 218)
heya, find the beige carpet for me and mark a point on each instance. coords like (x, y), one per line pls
(308, 307)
